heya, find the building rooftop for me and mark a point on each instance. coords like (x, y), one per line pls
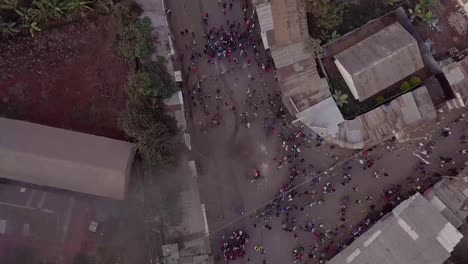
(450, 197)
(327, 122)
(301, 85)
(64, 159)
(404, 113)
(457, 76)
(283, 25)
(413, 233)
(380, 60)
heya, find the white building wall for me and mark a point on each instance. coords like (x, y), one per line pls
(348, 79)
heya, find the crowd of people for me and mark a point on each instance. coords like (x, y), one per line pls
(233, 246)
(236, 45)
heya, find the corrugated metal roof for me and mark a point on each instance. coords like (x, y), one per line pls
(64, 159)
(381, 60)
(413, 233)
(451, 194)
(290, 54)
(265, 17)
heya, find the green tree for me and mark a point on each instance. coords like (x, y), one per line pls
(152, 80)
(427, 10)
(314, 46)
(340, 98)
(328, 14)
(152, 130)
(79, 7)
(330, 37)
(136, 37)
(163, 82)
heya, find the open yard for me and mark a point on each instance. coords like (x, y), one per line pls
(69, 77)
(447, 37)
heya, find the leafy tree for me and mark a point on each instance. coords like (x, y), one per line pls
(427, 10)
(330, 37)
(153, 80)
(164, 85)
(152, 130)
(79, 6)
(340, 98)
(328, 14)
(314, 46)
(136, 38)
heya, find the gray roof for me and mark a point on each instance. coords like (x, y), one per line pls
(64, 159)
(291, 54)
(323, 118)
(450, 197)
(413, 233)
(265, 17)
(381, 60)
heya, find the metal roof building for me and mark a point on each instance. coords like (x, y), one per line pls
(415, 232)
(378, 61)
(457, 75)
(283, 25)
(450, 197)
(64, 159)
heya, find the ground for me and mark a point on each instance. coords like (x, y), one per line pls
(69, 77)
(447, 38)
(228, 145)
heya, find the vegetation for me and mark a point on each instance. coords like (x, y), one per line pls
(405, 86)
(314, 46)
(427, 10)
(340, 98)
(152, 80)
(330, 37)
(144, 119)
(415, 81)
(136, 39)
(152, 130)
(327, 14)
(19, 15)
(410, 84)
(380, 99)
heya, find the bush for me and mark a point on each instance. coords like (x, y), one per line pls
(163, 82)
(405, 86)
(143, 83)
(33, 15)
(151, 128)
(328, 14)
(152, 80)
(415, 81)
(136, 39)
(380, 99)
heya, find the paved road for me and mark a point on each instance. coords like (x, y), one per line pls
(227, 153)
